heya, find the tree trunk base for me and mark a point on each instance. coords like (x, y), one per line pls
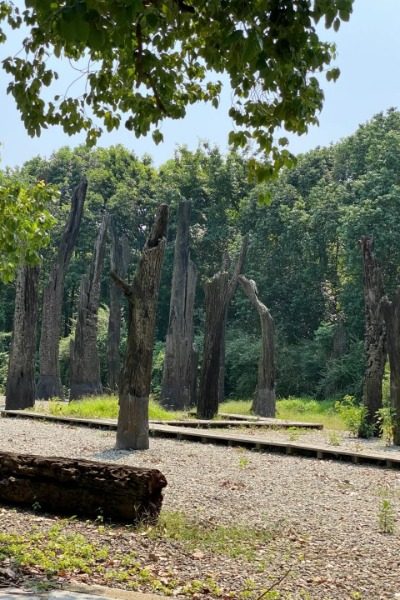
(81, 487)
(133, 423)
(49, 386)
(264, 403)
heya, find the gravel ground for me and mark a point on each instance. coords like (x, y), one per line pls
(323, 514)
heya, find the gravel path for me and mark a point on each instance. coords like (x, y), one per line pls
(324, 514)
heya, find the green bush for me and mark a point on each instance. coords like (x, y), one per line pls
(354, 416)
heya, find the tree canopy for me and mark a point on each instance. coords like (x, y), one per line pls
(145, 60)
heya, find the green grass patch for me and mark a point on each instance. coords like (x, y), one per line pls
(102, 407)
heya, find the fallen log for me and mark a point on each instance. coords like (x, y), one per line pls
(81, 487)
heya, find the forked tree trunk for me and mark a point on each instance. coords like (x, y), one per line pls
(20, 387)
(142, 295)
(391, 312)
(375, 334)
(84, 360)
(219, 292)
(49, 384)
(177, 384)
(264, 400)
(119, 258)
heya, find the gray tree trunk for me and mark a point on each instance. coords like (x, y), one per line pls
(226, 263)
(375, 334)
(84, 359)
(49, 384)
(264, 400)
(391, 312)
(142, 295)
(20, 387)
(176, 386)
(219, 292)
(119, 259)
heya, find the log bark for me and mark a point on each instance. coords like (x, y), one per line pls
(142, 295)
(219, 292)
(84, 359)
(20, 387)
(391, 313)
(49, 383)
(264, 401)
(81, 487)
(375, 334)
(119, 259)
(176, 386)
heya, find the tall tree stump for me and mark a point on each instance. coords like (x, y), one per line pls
(391, 313)
(49, 383)
(84, 360)
(177, 385)
(20, 386)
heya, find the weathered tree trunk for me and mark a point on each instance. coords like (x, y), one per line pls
(375, 334)
(81, 487)
(142, 295)
(391, 313)
(20, 387)
(49, 384)
(84, 359)
(176, 383)
(226, 263)
(219, 292)
(264, 400)
(119, 259)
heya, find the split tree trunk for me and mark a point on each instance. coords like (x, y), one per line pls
(177, 381)
(264, 400)
(84, 359)
(81, 487)
(219, 292)
(391, 312)
(119, 258)
(20, 387)
(142, 295)
(49, 384)
(375, 334)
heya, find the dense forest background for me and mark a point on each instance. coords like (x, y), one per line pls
(303, 253)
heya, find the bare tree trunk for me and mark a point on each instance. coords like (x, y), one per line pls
(226, 263)
(219, 292)
(119, 259)
(49, 384)
(176, 383)
(20, 388)
(391, 312)
(264, 401)
(85, 364)
(142, 295)
(375, 334)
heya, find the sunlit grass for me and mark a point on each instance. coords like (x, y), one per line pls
(102, 407)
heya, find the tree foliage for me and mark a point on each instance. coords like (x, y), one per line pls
(145, 60)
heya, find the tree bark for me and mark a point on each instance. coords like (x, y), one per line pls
(264, 400)
(219, 292)
(391, 313)
(49, 384)
(176, 386)
(119, 258)
(142, 295)
(84, 359)
(375, 334)
(20, 387)
(81, 487)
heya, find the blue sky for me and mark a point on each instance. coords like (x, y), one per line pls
(368, 56)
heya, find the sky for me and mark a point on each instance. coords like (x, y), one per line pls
(368, 55)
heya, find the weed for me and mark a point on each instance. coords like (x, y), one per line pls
(294, 433)
(244, 462)
(386, 417)
(334, 439)
(386, 514)
(354, 416)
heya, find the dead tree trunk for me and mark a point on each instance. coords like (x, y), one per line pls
(84, 360)
(219, 292)
(119, 251)
(264, 400)
(49, 384)
(81, 487)
(391, 312)
(142, 295)
(375, 334)
(20, 387)
(176, 386)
